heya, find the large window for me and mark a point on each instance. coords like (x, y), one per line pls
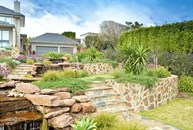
(6, 20)
(4, 39)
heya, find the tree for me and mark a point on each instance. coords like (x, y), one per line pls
(110, 32)
(135, 25)
(92, 41)
(71, 35)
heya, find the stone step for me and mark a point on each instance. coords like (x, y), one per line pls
(109, 104)
(19, 72)
(23, 68)
(117, 109)
(99, 90)
(105, 97)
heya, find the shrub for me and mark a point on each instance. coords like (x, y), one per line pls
(81, 73)
(84, 123)
(185, 84)
(134, 57)
(133, 125)
(21, 58)
(68, 73)
(9, 62)
(72, 83)
(1, 77)
(119, 73)
(158, 72)
(30, 61)
(105, 121)
(53, 55)
(51, 76)
(47, 62)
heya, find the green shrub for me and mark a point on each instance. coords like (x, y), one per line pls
(119, 73)
(9, 62)
(47, 62)
(81, 73)
(1, 77)
(51, 76)
(68, 73)
(133, 125)
(185, 84)
(106, 121)
(134, 57)
(158, 72)
(72, 83)
(84, 123)
(30, 61)
(53, 55)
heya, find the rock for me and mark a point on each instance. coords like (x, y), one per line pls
(45, 110)
(47, 91)
(10, 84)
(63, 95)
(44, 100)
(61, 121)
(81, 99)
(68, 102)
(78, 93)
(56, 113)
(88, 108)
(27, 88)
(76, 108)
(62, 90)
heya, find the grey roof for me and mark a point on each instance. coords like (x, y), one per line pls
(53, 38)
(6, 11)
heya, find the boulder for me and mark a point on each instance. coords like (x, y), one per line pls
(62, 90)
(47, 91)
(27, 88)
(81, 99)
(68, 102)
(63, 95)
(44, 100)
(56, 113)
(61, 121)
(10, 84)
(76, 108)
(45, 110)
(88, 108)
(78, 93)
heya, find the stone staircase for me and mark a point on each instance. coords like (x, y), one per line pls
(106, 99)
(19, 72)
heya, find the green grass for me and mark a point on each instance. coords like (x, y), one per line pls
(178, 113)
(99, 77)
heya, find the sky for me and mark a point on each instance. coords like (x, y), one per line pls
(82, 16)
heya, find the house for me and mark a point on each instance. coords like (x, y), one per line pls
(83, 36)
(53, 42)
(11, 22)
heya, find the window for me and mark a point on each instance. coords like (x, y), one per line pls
(4, 39)
(6, 20)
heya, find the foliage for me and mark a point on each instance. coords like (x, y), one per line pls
(133, 25)
(51, 75)
(72, 83)
(109, 33)
(30, 61)
(71, 35)
(113, 55)
(132, 125)
(9, 62)
(99, 77)
(1, 77)
(53, 55)
(158, 72)
(179, 63)
(105, 121)
(185, 84)
(21, 58)
(44, 125)
(178, 113)
(84, 123)
(134, 58)
(119, 73)
(47, 62)
(92, 40)
(28, 76)
(4, 71)
(174, 37)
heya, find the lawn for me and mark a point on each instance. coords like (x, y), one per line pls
(178, 113)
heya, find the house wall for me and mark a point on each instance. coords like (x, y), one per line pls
(33, 46)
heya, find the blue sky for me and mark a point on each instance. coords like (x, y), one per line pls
(84, 16)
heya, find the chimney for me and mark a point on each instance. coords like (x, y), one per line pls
(17, 6)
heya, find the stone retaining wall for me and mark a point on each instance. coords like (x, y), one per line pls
(98, 68)
(139, 97)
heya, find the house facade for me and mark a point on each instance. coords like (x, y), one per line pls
(11, 22)
(53, 42)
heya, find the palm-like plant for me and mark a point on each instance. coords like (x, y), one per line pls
(134, 57)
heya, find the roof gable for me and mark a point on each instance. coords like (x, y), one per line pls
(53, 38)
(7, 11)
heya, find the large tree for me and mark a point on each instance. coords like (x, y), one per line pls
(92, 41)
(134, 25)
(110, 32)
